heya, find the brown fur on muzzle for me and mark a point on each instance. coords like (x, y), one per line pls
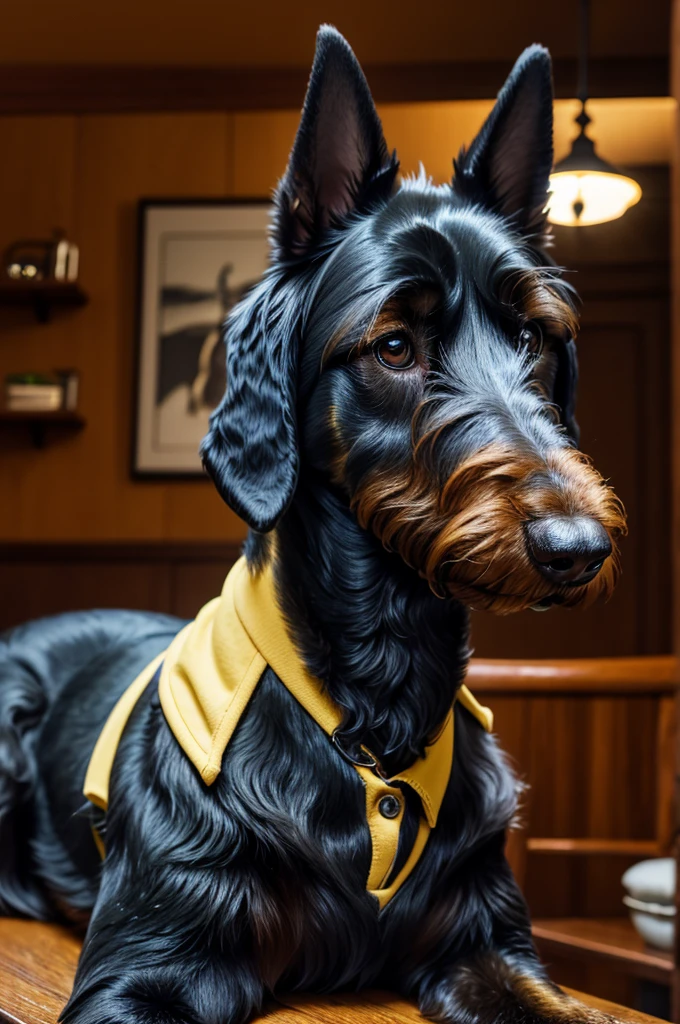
(467, 536)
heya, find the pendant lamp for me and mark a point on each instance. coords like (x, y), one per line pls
(585, 188)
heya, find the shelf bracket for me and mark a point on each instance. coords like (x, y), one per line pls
(37, 432)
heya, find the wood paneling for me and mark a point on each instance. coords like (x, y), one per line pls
(636, 130)
(123, 89)
(271, 34)
(80, 487)
(40, 580)
(675, 254)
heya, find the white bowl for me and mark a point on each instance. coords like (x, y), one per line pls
(652, 881)
(654, 922)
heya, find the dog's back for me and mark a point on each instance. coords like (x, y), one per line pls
(68, 668)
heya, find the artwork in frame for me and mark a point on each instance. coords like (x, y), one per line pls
(197, 258)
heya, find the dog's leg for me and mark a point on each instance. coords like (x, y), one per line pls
(153, 955)
(475, 963)
(495, 988)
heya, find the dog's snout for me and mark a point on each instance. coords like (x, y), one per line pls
(568, 550)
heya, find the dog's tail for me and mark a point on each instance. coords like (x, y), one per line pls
(23, 705)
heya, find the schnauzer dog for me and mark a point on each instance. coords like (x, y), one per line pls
(398, 432)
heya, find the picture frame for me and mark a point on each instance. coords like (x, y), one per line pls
(196, 258)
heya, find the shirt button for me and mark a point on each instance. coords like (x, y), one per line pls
(389, 807)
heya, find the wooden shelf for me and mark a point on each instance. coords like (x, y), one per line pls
(618, 676)
(38, 422)
(613, 939)
(607, 847)
(41, 295)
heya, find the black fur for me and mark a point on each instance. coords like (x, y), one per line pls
(211, 899)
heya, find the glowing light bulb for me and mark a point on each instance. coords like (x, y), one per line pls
(583, 197)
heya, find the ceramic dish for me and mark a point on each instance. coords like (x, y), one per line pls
(654, 922)
(652, 881)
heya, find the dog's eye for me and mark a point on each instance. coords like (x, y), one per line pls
(396, 353)
(531, 339)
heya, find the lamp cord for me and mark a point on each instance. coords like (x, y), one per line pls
(583, 52)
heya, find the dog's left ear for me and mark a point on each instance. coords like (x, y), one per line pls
(339, 162)
(507, 166)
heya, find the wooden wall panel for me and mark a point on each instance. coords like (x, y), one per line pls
(80, 487)
(675, 359)
(37, 175)
(121, 159)
(433, 133)
(40, 580)
(262, 142)
(33, 590)
(195, 583)
(590, 764)
(37, 194)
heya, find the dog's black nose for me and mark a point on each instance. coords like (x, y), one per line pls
(568, 549)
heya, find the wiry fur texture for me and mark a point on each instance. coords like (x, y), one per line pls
(397, 497)
(467, 536)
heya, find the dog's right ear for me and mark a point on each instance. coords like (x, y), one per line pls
(507, 166)
(339, 162)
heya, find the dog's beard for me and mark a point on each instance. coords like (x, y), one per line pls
(466, 538)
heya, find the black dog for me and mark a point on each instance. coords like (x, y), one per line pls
(398, 431)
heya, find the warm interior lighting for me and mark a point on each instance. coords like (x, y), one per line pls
(580, 198)
(585, 189)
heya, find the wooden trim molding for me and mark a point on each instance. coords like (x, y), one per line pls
(606, 847)
(101, 89)
(121, 551)
(649, 674)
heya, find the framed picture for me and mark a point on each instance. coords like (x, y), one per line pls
(197, 258)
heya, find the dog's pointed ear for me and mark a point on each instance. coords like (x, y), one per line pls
(339, 162)
(507, 166)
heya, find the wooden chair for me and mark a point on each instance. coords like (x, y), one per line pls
(596, 740)
(37, 963)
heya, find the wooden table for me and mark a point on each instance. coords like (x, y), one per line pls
(37, 963)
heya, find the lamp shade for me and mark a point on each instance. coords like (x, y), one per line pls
(586, 190)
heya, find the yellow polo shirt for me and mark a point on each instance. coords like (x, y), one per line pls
(208, 675)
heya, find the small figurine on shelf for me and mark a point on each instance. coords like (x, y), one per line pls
(33, 392)
(42, 259)
(42, 392)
